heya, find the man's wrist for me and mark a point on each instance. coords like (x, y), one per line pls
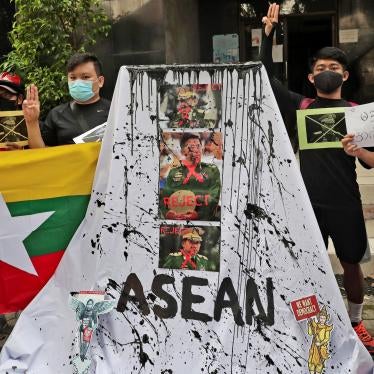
(363, 154)
(33, 123)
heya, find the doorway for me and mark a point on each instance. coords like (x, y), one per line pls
(7, 10)
(304, 35)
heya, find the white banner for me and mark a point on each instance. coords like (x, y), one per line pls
(200, 229)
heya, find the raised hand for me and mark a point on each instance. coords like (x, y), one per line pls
(31, 113)
(272, 17)
(31, 106)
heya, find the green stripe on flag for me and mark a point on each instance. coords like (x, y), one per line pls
(55, 233)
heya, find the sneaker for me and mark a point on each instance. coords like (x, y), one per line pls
(366, 339)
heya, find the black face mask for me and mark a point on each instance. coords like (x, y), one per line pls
(328, 81)
(6, 104)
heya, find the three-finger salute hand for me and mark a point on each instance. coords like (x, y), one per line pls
(31, 105)
(272, 17)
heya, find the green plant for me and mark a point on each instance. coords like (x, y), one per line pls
(45, 34)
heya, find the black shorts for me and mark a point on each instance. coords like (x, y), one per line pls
(346, 228)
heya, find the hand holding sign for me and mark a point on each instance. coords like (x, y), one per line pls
(360, 122)
(350, 148)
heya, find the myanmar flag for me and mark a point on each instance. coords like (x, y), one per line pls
(44, 195)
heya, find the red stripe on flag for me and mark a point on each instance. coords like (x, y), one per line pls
(18, 288)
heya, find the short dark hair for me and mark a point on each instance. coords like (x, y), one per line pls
(330, 53)
(187, 136)
(82, 58)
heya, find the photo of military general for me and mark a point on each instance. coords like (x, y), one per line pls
(190, 106)
(321, 128)
(190, 176)
(190, 247)
(13, 127)
(329, 127)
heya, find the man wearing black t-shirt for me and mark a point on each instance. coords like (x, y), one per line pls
(329, 173)
(68, 120)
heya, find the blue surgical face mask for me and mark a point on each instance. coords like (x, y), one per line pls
(81, 90)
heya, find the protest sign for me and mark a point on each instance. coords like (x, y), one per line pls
(360, 122)
(209, 287)
(321, 128)
(13, 128)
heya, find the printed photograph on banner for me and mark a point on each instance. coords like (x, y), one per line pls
(321, 128)
(87, 305)
(305, 307)
(319, 330)
(13, 128)
(190, 247)
(190, 106)
(190, 175)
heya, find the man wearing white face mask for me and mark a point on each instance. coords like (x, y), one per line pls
(68, 120)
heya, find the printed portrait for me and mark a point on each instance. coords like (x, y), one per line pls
(190, 176)
(190, 106)
(190, 247)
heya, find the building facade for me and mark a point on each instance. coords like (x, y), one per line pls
(182, 31)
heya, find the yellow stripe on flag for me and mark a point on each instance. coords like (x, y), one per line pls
(48, 172)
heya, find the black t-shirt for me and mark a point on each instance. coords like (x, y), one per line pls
(62, 125)
(329, 174)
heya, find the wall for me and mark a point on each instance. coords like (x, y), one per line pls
(146, 32)
(182, 43)
(216, 17)
(137, 37)
(120, 8)
(359, 14)
(181, 31)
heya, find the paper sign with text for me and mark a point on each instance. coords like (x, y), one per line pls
(360, 121)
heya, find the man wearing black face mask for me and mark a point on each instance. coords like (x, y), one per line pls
(11, 97)
(329, 174)
(11, 91)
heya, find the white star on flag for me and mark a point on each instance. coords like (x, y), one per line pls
(13, 230)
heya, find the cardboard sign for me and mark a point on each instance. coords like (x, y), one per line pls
(13, 128)
(321, 128)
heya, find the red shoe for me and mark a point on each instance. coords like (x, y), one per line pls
(365, 337)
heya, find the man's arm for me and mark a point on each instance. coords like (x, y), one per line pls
(288, 101)
(31, 112)
(266, 56)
